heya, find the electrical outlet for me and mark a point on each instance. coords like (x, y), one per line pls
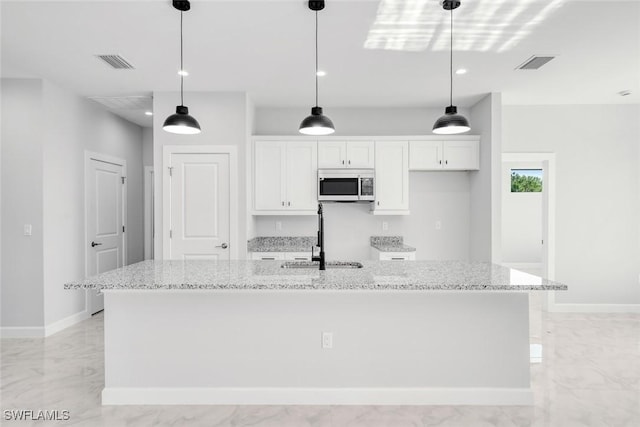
(327, 340)
(28, 229)
(438, 225)
(278, 225)
(385, 226)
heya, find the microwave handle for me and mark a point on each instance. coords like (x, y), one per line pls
(359, 188)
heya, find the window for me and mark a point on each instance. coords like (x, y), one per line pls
(526, 180)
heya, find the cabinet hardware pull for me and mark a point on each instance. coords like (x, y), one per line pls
(398, 259)
(446, 162)
(343, 162)
(440, 162)
(288, 203)
(268, 259)
(282, 203)
(349, 161)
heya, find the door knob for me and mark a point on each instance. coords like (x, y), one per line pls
(94, 244)
(223, 246)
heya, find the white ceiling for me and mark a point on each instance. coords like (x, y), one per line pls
(376, 53)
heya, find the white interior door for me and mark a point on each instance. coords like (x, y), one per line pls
(105, 223)
(199, 223)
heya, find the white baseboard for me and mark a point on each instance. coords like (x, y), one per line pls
(316, 396)
(65, 323)
(22, 332)
(43, 331)
(594, 308)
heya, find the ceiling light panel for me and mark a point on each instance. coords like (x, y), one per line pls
(484, 25)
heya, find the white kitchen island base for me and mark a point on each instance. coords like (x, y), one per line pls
(264, 347)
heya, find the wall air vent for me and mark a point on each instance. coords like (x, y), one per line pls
(116, 61)
(535, 62)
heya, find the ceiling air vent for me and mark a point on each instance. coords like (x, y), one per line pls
(534, 62)
(116, 61)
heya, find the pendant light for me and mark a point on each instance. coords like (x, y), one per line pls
(452, 122)
(317, 123)
(181, 122)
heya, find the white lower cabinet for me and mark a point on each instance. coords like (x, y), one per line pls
(284, 256)
(285, 177)
(391, 178)
(392, 256)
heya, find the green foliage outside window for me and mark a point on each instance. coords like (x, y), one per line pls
(526, 180)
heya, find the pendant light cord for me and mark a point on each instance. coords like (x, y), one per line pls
(451, 63)
(181, 63)
(316, 58)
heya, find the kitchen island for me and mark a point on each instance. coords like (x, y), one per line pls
(252, 332)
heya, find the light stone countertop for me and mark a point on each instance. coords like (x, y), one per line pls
(281, 244)
(390, 244)
(269, 275)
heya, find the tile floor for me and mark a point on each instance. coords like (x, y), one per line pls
(589, 375)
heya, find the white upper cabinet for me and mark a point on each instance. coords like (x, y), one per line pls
(391, 178)
(269, 180)
(302, 176)
(332, 154)
(285, 177)
(449, 155)
(352, 154)
(360, 154)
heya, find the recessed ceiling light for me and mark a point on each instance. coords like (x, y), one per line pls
(321, 73)
(461, 71)
(624, 92)
(183, 73)
(148, 113)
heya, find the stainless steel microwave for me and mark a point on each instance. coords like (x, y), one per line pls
(345, 185)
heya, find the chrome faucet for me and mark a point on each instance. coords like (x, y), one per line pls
(320, 239)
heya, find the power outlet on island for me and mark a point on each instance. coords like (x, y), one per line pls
(385, 226)
(327, 340)
(278, 225)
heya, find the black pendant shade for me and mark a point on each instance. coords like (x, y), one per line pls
(317, 123)
(452, 122)
(181, 122)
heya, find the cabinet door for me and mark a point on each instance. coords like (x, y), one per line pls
(392, 175)
(332, 154)
(360, 154)
(269, 182)
(302, 175)
(461, 155)
(425, 155)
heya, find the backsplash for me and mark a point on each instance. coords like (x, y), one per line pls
(434, 197)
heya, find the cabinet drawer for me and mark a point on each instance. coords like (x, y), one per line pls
(267, 256)
(397, 256)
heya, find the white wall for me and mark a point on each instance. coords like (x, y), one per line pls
(598, 194)
(21, 292)
(485, 229)
(74, 125)
(353, 121)
(521, 219)
(434, 196)
(64, 125)
(147, 146)
(223, 118)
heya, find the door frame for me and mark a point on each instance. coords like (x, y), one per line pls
(105, 158)
(548, 161)
(149, 225)
(230, 150)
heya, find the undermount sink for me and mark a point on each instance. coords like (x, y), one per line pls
(314, 264)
